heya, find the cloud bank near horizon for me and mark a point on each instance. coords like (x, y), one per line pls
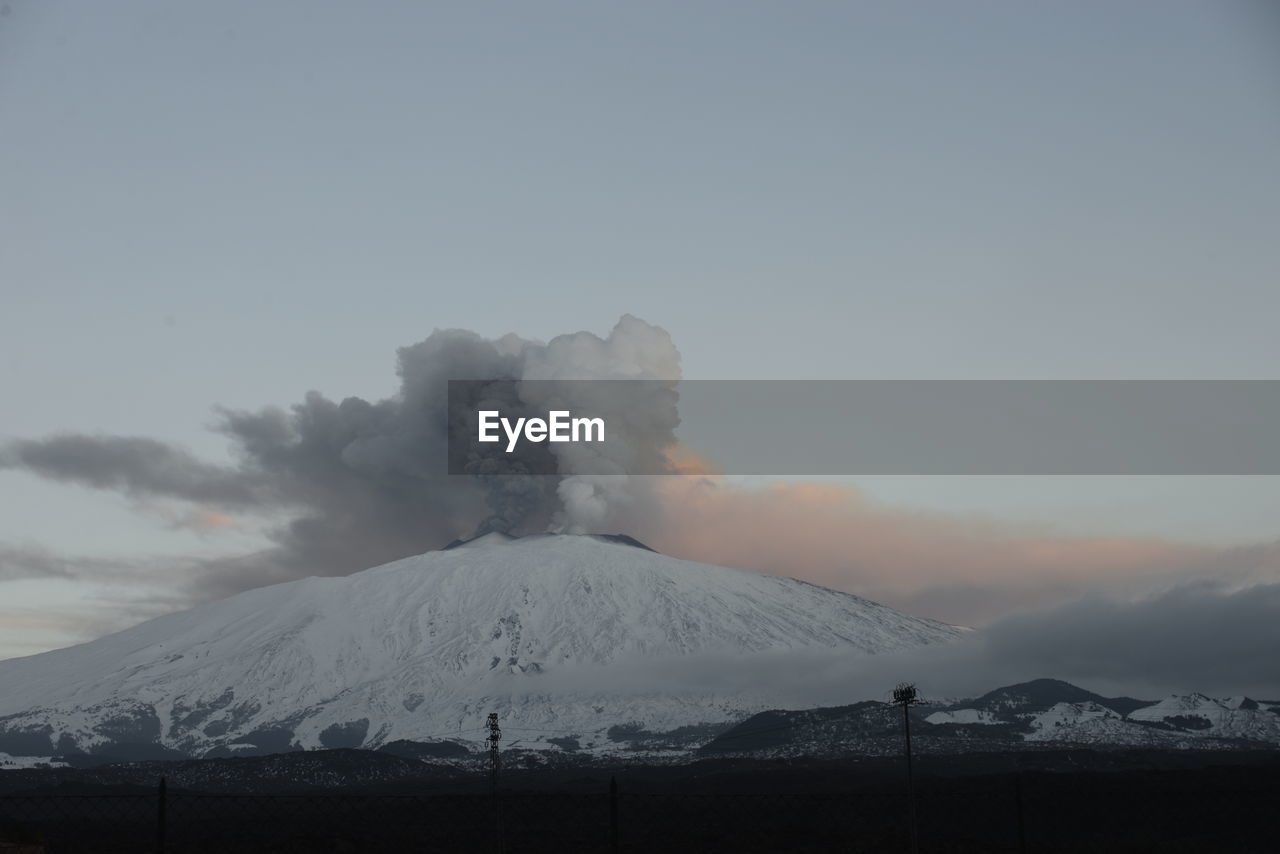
(1196, 637)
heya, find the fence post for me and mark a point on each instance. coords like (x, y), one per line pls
(1022, 827)
(161, 818)
(613, 815)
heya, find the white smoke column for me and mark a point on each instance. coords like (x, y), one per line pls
(637, 432)
(586, 501)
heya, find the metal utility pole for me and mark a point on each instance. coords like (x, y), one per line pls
(905, 695)
(495, 757)
(495, 761)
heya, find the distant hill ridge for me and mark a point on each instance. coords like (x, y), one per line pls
(1039, 712)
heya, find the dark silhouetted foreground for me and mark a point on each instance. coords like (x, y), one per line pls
(1184, 810)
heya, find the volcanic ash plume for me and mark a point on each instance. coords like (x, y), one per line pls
(362, 483)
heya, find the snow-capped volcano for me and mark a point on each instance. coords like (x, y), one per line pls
(421, 648)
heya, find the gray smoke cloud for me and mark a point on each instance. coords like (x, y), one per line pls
(362, 483)
(19, 562)
(133, 465)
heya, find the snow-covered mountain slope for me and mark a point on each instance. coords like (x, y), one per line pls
(14, 763)
(1235, 717)
(964, 716)
(422, 648)
(1047, 710)
(1086, 722)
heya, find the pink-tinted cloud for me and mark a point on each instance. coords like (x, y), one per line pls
(960, 569)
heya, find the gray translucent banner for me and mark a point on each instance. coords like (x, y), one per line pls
(918, 427)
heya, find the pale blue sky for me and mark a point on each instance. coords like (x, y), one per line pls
(235, 202)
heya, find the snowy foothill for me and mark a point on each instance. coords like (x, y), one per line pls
(15, 763)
